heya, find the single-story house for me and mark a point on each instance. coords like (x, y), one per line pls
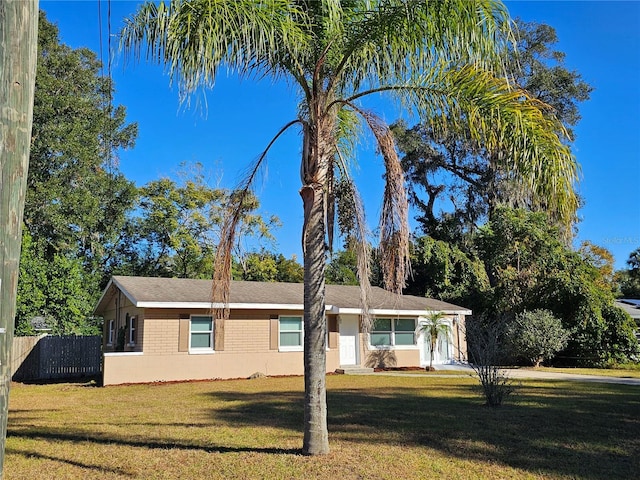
(632, 307)
(161, 329)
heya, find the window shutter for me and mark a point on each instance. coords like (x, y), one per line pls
(273, 332)
(136, 326)
(218, 334)
(333, 331)
(105, 328)
(184, 332)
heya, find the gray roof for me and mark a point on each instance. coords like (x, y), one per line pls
(154, 292)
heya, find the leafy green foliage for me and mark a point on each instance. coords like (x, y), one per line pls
(518, 249)
(517, 262)
(174, 230)
(433, 326)
(267, 267)
(450, 170)
(441, 270)
(628, 281)
(83, 220)
(540, 69)
(57, 290)
(441, 60)
(76, 198)
(342, 268)
(529, 268)
(536, 335)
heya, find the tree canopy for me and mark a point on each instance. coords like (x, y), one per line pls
(77, 198)
(454, 180)
(628, 280)
(529, 267)
(84, 220)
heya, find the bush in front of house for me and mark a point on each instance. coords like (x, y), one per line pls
(536, 335)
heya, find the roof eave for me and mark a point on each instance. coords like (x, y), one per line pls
(114, 282)
(284, 306)
(394, 311)
(232, 306)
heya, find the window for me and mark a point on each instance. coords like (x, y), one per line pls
(132, 330)
(381, 333)
(404, 331)
(201, 334)
(112, 331)
(291, 333)
(387, 332)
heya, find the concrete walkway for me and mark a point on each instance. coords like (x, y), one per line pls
(518, 373)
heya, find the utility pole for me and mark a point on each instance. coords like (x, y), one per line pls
(18, 54)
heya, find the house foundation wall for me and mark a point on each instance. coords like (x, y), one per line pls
(122, 368)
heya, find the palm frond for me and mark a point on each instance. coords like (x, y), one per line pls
(394, 218)
(353, 226)
(504, 120)
(195, 38)
(234, 214)
(399, 38)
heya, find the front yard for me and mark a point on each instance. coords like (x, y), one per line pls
(379, 426)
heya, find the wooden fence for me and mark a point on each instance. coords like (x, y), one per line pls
(47, 357)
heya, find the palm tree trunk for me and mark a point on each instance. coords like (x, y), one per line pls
(433, 346)
(315, 161)
(316, 437)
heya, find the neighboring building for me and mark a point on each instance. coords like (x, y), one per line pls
(40, 325)
(160, 329)
(632, 307)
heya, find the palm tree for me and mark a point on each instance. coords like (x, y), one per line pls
(436, 58)
(434, 326)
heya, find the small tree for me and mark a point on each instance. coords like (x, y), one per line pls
(536, 335)
(486, 353)
(434, 326)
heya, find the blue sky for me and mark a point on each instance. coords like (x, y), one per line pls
(601, 40)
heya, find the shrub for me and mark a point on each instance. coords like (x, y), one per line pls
(536, 335)
(487, 352)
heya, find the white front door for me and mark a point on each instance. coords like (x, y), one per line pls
(443, 353)
(349, 336)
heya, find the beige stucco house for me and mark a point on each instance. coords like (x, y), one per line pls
(161, 329)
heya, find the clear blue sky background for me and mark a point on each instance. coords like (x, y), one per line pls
(601, 40)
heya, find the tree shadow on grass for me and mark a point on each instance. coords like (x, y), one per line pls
(109, 440)
(161, 444)
(73, 463)
(574, 430)
(577, 430)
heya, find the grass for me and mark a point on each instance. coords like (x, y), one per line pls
(380, 427)
(605, 372)
(422, 371)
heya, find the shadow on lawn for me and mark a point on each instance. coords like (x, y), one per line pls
(58, 435)
(74, 463)
(582, 430)
(576, 430)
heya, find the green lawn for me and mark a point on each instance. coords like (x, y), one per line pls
(606, 372)
(380, 427)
